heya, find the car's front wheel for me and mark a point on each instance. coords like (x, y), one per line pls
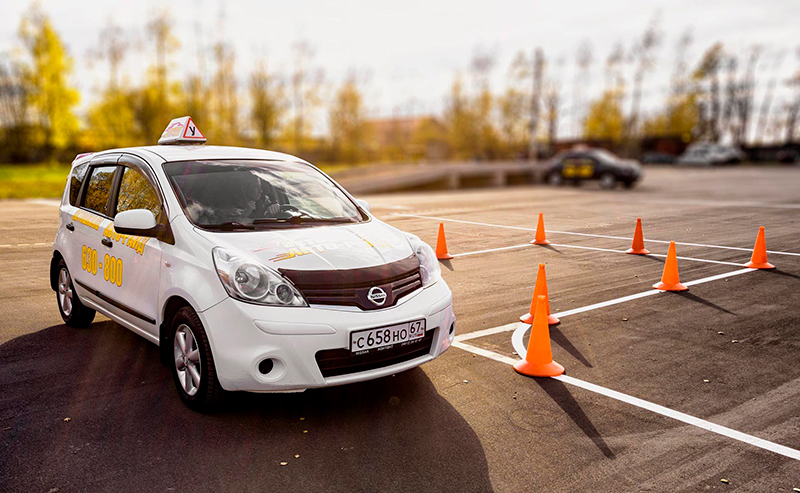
(73, 312)
(193, 371)
(555, 179)
(608, 181)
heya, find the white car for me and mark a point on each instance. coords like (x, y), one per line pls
(711, 154)
(252, 270)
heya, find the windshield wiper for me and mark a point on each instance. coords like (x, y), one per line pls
(297, 219)
(230, 226)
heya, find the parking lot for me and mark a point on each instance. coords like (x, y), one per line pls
(92, 409)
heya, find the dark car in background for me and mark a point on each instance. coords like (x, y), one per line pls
(585, 163)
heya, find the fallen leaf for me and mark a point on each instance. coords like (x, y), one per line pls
(466, 381)
(723, 480)
(706, 381)
(721, 332)
(302, 419)
(67, 419)
(305, 431)
(296, 456)
(735, 341)
(624, 319)
(284, 463)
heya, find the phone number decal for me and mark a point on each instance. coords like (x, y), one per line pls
(111, 266)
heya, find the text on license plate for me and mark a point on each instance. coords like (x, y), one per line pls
(365, 340)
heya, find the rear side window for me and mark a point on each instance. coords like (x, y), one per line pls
(98, 188)
(75, 182)
(136, 192)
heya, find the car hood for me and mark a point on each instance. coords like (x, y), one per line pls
(333, 247)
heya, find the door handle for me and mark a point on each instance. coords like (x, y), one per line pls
(70, 227)
(106, 242)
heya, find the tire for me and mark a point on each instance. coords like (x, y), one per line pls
(187, 331)
(73, 312)
(554, 179)
(608, 181)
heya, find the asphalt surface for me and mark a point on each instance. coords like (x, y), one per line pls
(462, 422)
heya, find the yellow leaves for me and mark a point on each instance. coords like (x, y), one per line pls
(605, 120)
(50, 95)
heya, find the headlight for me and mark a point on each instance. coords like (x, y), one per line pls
(429, 267)
(248, 280)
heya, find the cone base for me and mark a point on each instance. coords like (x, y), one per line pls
(552, 369)
(641, 251)
(670, 287)
(526, 319)
(446, 256)
(759, 265)
(553, 320)
(542, 242)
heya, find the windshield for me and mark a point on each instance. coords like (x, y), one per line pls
(233, 195)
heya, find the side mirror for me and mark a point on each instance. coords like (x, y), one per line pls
(363, 204)
(137, 222)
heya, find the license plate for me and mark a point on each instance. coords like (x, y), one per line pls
(364, 341)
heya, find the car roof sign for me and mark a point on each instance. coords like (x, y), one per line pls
(181, 131)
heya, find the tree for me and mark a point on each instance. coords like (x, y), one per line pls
(14, 112)
(462, 128)
(709, 106)
(347, 120)
(583, 61)
(266, 104)
(513, 105)
(46, 79)
(604, 120)
(306, 83)
(644, 54)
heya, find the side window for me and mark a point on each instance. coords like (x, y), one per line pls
(99, 186)
(75, 182)
(135, 192)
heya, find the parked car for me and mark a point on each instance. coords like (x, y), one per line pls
(711, 154)
(252, 270)
(657, 158)
(584, 163)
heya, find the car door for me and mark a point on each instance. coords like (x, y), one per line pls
(134, 262)
(86, 225)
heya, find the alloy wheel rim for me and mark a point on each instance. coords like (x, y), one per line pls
(65, 292)
(187, 359)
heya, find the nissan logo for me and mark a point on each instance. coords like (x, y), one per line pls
(377, 296)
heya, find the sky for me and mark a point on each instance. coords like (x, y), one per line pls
(408, 52)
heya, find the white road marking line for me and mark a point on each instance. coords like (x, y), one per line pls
(720, 203)
(520, 228)
(466, 254)
(641, 403)
(520, 328)
(486, 332)
(514, 247)
(484, 352)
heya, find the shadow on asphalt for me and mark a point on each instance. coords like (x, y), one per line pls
(562, 396)
(783, 273)
(657, 259)
(447, 263)
(551, 247)
(128, 430)
(695, 298)
(559, 338)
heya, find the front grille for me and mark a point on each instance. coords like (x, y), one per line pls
(351, 287)
(333, 362)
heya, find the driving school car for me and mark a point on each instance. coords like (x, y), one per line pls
(252, 270)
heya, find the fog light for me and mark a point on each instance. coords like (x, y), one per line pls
(266, 366)
(452, 328)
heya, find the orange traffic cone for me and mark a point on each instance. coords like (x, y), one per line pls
(441, 245)
(540, 289)
(759, 258)
(670, 281)
(538, 360)
(637, 246)
(540, 238)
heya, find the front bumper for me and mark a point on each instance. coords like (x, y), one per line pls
(242, 335)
